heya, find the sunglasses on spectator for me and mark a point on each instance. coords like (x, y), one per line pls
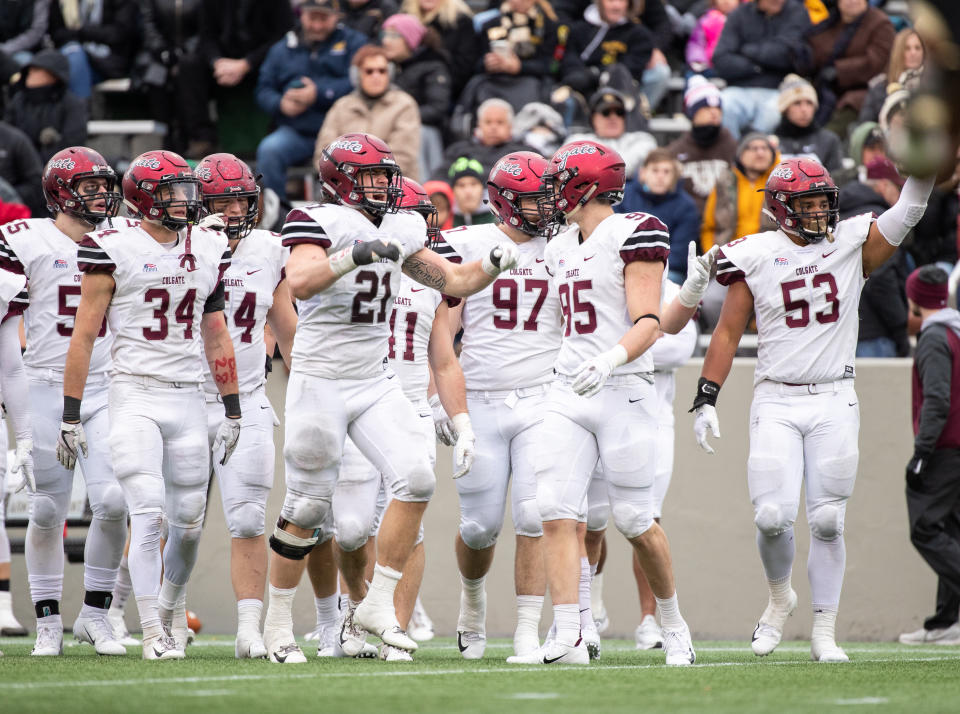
(613, 111)
(375, 70)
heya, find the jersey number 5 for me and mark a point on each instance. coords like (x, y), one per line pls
(65, 309)
(798, 310)
(572, 304)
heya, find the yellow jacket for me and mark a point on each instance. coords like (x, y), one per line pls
(734, 208)
(816, 10)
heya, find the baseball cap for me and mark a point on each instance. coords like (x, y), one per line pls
(328, 5)
(608, 98)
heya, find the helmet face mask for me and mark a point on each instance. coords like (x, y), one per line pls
(179, 200)
(351, 170)
(579, 172)
(794, 196)
(515, 190)
(160, 187)
(67, 179)
(225, 179)
(814, 222)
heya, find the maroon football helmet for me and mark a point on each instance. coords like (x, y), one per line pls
(341, 167)
(158, 181)
(226, 176)
(579, 172)
(791, 180)
(514, 177)
(414, 198)
(61, 180)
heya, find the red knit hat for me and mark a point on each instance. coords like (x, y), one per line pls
(932, 296)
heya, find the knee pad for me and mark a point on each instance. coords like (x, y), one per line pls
(305, 511)
(826, 521)
(189, 510)
(598, 515)
(419, 485)
(246, 520)
(312, 448)
(108, 503)
(770, 519)
(290, 546)
(631, 520)
(45, 512)
(551, 506)
(526, 519)
(479, 536)
(352, 534)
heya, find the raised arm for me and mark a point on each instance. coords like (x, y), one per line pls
(459, 280)
(888, 231)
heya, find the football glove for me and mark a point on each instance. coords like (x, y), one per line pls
(442, 423)
(213, 221)
(593, 374)
(705, 417)
(228, 434)
(463, 450)
(70, 442)
(699, 270)
(502, 257)
(23, 465)
(366, 253)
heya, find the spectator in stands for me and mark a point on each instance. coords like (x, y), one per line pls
(300, 79)
(608, 112)
(367, 16)
(798, 131)
(845, 51)
(906, 63)
(867, 141)
(44, 109)
(708, 150)
(705, 36)
(97, 36)
(22, 27)
(441, 196)
(935, 236)
(20, 167)
(376, 107)
(656, 190)
(453, 21)
(492, 138)
(757, 49)
(467, 178)
(541, 127)
(422, 71)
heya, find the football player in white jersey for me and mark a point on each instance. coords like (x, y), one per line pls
(80, 190)
(344, 270)
(158, 282)
(255, 294)
(607, 270)
(803, 283)
(511, 335)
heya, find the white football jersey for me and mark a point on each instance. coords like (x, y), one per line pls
(47, 257)
(157, 305)
(806, 300)
(588, 278)
(411, 322)
(256, 268)
(13, 294)
(511, 328)
(343, 331)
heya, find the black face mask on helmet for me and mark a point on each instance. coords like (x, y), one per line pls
(706, 134)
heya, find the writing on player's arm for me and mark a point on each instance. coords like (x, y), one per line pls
(459, 280)
(218, 347)
(282, 319)
(888, 231)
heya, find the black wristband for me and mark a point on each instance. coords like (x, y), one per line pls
(231, 405)
(648, 315)
(707, 392)
(71, 409)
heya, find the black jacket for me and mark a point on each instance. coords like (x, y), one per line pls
(23, 24)
(52, 117)
(20, 166)
(462, 45)
(425, 76)
(935, 236)
(883, 303)
(537, 56)
(654, 17)
(757, 50)
(170, 25)
(242, 29)
(629, 44)
(822, 143)
(368, 18)
(117, 29)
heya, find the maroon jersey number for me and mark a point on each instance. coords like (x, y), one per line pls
(245, 314)
(183, 313)
(572, 303)
(361, 311)
(505, 297)
(65, 309)
(798, 309)
(408, 336)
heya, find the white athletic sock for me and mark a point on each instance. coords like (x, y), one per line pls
(529, 608)
(824, 625)
(249, 611)
(43, 550)
(567, 620)
(280, 611)
(473, 605)
(170, 593)
(91, 611)
(586, 614)
(596, 593)
(328, 610)
(780, 591)
(149, 616)
(670, 618)
(384, 585)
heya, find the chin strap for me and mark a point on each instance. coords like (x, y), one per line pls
(187, 259)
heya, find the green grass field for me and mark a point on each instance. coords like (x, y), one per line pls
(881, 677)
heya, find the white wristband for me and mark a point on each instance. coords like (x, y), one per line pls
(461, 422)
(617, 355)
(341, 262)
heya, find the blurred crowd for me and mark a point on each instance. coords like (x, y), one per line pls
(452, 86)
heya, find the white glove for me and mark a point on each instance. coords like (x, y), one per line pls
(592, 374)
(442, 423)
(227, 434)
(466, 443)
(699, 270)
(71, 440)
(705, 417)
(501, 258)
(23, 464)
(213, 221)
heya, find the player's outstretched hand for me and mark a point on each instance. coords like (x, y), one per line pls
(465, 445)
(705, 417)
(23, 464)
(71, 440)
(699, 270)
(375, 250)
(442, 423)
(502, 257)
(228, 434)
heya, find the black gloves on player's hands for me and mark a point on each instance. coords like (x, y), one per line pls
(374, 250)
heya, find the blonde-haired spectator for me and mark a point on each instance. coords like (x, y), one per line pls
(453, 20)
(906, 65)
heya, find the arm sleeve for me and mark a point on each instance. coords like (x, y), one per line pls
(649, 241)
(13, 380)
(934, 362)
(299, 228)
(33, 34)
(215, 301)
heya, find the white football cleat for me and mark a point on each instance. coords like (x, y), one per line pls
(769, 630)
(9, 625)
(591, 639)
(525, 642)
(601, 619)
(329, 645)
(98, 632)
(554, 653)
(421, 626)
(382, 622)
(49, 640)
(162, 647)
(471, 644)
(389, 653)
(940, 636)
(249, 645)
(120, 631)
(316, 634)
(352, 637)
(648, 636)
(824, 650)
(281, 646)
(678, 647)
